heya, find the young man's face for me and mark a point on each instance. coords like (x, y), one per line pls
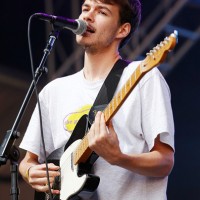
(103, 24)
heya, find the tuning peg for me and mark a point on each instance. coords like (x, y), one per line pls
(155, 49)
(161, 44)
(175, 34)
(167, 39)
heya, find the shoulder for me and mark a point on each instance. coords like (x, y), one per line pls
(154, 76)
(65, 82)
(60, 86)
(66, 79)
(155, 72)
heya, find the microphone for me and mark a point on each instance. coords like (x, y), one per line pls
(77, 26)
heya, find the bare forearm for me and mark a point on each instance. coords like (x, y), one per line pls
(156, 163)
(25, 166)
(152, 164)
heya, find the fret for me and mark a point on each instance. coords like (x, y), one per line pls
(74, 155)
(125, 89)
(123, 92)
(109, 110)
(117, 99)
(85, 143)
(106, 114)
(135, 75)
(111, 107)
(84, 146)
(114, 103)
(128, 87)
(130, 81)
(121, 97)
(138, 71)
(77, 153)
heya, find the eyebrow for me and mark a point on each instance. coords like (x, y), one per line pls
(99, 7)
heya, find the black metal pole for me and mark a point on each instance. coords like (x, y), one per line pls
(7, 148)
(14, 157)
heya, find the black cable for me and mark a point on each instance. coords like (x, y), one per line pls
(39, 108)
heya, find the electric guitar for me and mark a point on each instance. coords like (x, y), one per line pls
(76, 162)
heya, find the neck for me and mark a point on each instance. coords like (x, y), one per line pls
(98, 65)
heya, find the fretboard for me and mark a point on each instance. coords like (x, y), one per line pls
(124, 92)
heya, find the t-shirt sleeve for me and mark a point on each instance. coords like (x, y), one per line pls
(157, 116)
(32, 140)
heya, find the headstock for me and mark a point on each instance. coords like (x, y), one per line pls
(158, 54)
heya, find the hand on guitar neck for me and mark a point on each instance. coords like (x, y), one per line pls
(103, 139)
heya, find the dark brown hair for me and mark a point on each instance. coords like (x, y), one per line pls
(130, 11)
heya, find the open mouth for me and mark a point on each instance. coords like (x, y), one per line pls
(90, 29)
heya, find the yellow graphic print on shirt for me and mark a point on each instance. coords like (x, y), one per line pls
(71, 119)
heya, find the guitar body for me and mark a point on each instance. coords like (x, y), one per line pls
(76, 178)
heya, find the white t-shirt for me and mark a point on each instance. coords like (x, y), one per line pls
(145, 114)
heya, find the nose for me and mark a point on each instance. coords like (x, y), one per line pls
(88, 16)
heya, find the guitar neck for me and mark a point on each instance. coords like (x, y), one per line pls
(121, 96)
(83, 152)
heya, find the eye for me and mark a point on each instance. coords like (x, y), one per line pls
(84, 9)
(102, 12)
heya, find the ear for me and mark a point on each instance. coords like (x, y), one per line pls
(123, 31)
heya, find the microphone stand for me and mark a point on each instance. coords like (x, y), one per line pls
(7, 149)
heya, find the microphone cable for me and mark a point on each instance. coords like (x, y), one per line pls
(38, 102)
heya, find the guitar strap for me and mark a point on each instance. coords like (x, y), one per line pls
(108, 88)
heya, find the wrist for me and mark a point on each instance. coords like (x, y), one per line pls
(27, 173)
(118, 160)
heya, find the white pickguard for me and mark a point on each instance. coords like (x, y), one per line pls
(71, 183)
